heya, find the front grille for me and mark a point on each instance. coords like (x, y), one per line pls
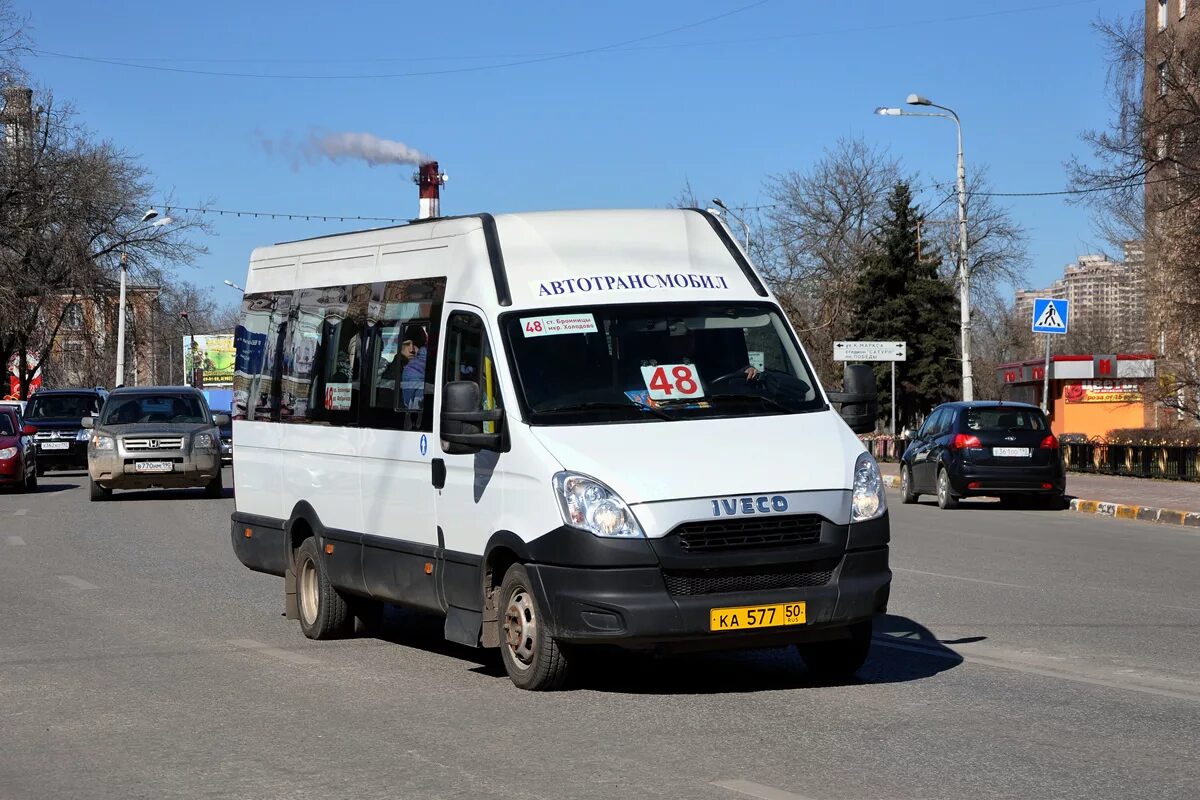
(724, 581)
(739, 534)
(153, 443)
(55, 436)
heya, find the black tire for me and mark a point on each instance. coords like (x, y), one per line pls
(840, 658)
(532, 659)
(1053, 502)
(907, 495)
(96, 492)
(31, 482)
(324, 613)
(945, 495)
(215, 488)
(40, 470)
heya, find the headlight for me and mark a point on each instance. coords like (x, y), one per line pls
(203, 441)
(589, 505)
(7, 453)
(83, 435)
(102, 442)
(869, 499)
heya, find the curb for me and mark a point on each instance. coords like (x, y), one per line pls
(1163, 516)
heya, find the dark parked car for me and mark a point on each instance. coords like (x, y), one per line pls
(18, 456)
(996, 449)
(58, 415)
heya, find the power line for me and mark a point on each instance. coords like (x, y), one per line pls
(528, 58)
(423, 73)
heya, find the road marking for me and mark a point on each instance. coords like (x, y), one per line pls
(758, 790)
(78, 583)
(1182, 608)
(961, 578)
(274, 652)
(17, 540)
(20, 512)
(1035, 664)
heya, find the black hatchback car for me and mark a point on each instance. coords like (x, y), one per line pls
(997, 449)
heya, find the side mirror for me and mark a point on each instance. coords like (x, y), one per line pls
(29, 430)
(462, 421)
(906, 435)
(87, 422)
(221, 420)
(859, 399)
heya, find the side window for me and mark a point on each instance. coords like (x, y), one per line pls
(469, 358)
(927, 427)
(402, 328)
(259, 340)
(946, 422)
(322, 355)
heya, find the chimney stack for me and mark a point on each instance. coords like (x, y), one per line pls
(430, 182)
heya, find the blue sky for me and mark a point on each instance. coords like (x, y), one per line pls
(723, 104)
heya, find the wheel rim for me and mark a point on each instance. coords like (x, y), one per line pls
(308, 591)
(904, 481)
(520, 627)
(943, 487)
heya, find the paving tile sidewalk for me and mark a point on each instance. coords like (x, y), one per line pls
(1180, 495)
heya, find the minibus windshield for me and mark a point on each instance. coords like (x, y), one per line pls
(657, 362)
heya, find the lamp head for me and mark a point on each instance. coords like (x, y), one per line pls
(918, 100)
(888, 112)
(149, 215)
(158, 223)
(717, 202)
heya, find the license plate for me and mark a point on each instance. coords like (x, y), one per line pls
(1010, 452)
(153, 466)
(769, 616)
(55, 445)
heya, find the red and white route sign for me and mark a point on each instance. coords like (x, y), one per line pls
(672, 382)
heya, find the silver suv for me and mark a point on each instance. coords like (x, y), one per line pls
(154, 437)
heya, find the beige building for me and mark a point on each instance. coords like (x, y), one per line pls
(1107, 298)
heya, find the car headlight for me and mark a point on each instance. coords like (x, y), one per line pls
(869, 500)
(102, 442)
(83, 435)
(7, 453)
(589, 505)
(203, 441)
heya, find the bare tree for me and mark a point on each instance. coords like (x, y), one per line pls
(14, 43)
(813, 240)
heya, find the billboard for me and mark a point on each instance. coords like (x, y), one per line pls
(1104, 391)
(213, 354)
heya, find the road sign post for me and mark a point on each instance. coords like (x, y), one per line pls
(874, 351)
(1049, 318)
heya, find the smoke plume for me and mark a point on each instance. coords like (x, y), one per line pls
(339, 147)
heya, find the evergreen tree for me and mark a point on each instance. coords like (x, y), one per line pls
(900, 298)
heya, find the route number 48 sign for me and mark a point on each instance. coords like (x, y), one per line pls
(672, 382)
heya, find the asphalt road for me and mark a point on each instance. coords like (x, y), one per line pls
(1027, 654)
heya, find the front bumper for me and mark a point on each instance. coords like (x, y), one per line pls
(74, 457)
(666, 605)
(12, 471)
(117, 469)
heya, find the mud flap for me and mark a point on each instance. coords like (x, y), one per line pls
(291, 606)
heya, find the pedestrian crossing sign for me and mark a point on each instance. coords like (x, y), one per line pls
(1049, 315)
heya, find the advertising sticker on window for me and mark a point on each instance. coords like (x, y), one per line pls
(337, 396)
(672, 382)
(557, 324)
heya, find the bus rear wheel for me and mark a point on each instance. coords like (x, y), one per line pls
(324, 613)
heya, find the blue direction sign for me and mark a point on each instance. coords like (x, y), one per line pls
(1049, 315)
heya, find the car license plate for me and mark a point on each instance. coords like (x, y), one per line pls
(1010, 452)
(768, 616)
(55, 445)
(153, 466)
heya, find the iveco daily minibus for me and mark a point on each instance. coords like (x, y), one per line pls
(556, 430)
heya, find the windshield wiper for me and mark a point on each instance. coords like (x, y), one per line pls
(601, 406)
(773, 403)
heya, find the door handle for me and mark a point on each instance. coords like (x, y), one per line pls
(439, 473)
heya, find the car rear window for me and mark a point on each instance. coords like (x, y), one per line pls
(1005, 419)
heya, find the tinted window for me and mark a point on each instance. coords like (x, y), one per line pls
(322, 358)
(402, 323)
(1005, 419)
(7, 428)
(70, 406)
(171, 408)
(259, 339)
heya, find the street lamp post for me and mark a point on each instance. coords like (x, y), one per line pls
(233, 285)
(149, 215)
(190, 358)
(964, 273)
(745, 228)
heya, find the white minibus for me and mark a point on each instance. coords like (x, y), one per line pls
(557, 430)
